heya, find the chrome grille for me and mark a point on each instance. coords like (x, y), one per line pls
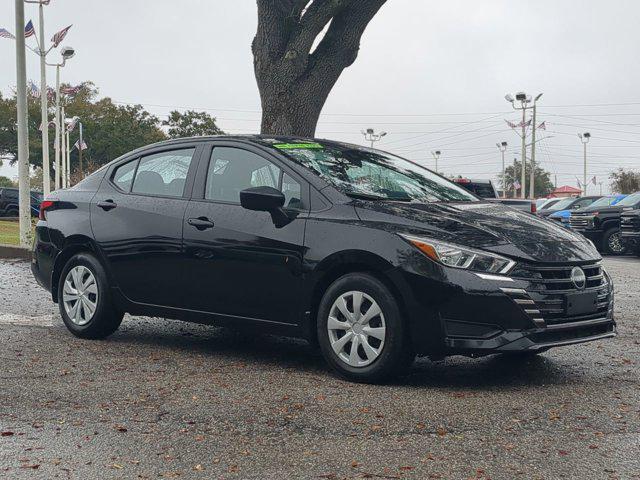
(630, 224)
(579, 221)
(546, 300)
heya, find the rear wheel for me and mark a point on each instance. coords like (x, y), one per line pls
(361, 331)
(613, 243)
(85, 300)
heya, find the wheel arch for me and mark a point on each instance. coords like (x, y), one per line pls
(73, 245)
(352, 261)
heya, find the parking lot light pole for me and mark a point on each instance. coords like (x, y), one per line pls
(67, 53)
(524, 100)
(584, 138)
(371, 136)
(436, 157)
(502, 146)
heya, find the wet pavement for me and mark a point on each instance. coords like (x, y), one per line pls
(166, 399)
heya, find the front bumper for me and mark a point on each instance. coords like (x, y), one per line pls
(530, 313)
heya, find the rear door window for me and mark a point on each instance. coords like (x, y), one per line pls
(123, 175)
(163, 173)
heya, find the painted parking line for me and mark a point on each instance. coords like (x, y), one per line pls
(25, 320)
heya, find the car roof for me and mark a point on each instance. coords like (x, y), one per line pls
(260, 140)
(264, 140)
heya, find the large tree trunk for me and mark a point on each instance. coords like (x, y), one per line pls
(293, 81)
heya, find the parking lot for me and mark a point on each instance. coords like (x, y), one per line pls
(168, 399)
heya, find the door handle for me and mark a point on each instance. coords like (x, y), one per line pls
(201, 223)
(107, 205)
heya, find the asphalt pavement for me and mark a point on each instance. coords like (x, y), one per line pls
(166, 399)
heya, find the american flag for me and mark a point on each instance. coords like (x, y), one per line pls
(51, 94)
(516, 185)
(33, 89)
(4, 33)
(58, 37)
(69, 90)
(511, 124)
(29, 30)
(84, 145)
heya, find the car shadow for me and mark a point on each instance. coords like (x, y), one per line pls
(264, 351)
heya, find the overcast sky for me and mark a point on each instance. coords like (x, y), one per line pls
(432, 74)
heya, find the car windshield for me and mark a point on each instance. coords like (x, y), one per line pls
(630, 200)
(603, 202)
(550, 203)
(562, 204)
(372, 174)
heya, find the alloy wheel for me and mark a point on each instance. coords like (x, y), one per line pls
(356, 329)
(616, 244)
(80, 295)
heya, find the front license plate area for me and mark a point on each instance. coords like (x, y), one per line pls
(580, 303)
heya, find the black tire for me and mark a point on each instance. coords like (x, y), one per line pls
(613, 243)
(12, 213)
(396, 354)
(106, 318)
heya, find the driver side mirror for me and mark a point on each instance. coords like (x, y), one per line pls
(262, 199)
(266, 199)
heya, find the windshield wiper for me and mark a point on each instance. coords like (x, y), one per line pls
(365, 196)
(371, 196)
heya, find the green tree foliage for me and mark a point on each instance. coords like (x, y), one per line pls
(191, 124)
(625, 181)
(543, 184)
(6, 182)
(109, 130)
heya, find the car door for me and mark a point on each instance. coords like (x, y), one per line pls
(238, 262)
(137, 216)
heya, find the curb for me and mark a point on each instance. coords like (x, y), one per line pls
(14, 251)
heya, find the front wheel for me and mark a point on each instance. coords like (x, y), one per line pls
(613, 243)
(361, 331)
(85, 300)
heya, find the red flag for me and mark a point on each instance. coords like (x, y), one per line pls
(58, 37)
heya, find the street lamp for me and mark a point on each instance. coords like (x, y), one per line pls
(436, 156)
(524, 101)
(584, 138)
(502, 146)
(371, 136)
(67, 53)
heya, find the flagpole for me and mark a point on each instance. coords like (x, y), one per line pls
(80, 152)
(532, 176)
(46, 180)
(24, 197)
(68, 160)
(63, 154)
(57, 141)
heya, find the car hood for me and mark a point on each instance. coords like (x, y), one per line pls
(485, 225)
(607, 209)
(561, 214)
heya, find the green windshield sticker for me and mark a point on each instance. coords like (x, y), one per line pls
(291, 146)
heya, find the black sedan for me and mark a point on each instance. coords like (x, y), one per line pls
(372, 256)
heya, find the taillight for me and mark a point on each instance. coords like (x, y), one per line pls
(534, 207)
(44, 206)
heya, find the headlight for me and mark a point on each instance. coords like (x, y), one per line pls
(457, 256)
